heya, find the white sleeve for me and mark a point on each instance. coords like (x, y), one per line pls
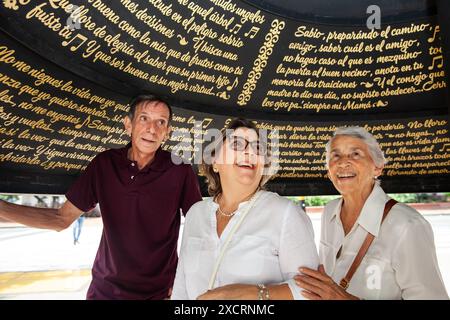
(297, 247)
(179, 291)
(415, 263)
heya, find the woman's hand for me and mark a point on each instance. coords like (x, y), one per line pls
(319, 286)
(231, 292)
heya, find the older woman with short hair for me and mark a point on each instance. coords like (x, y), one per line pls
(243, 242)
(371, 247)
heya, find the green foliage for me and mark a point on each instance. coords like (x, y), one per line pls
(313, 201)
(420, 197)
(405, 197)
(9, 197)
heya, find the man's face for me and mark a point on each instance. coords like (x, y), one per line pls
(149, 127)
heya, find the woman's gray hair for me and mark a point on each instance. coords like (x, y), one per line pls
(358, 132)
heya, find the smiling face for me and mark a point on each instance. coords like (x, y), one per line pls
(351, 168)
(238, 160)
(149, 127)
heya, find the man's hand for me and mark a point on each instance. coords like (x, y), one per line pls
(319, 286)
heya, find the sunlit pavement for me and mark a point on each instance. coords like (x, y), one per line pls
(45, 285)
(41, 265)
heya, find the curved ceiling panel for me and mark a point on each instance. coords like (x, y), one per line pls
(68, 69)
(345, 12)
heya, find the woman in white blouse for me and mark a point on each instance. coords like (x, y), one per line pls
(243, 242)
(401, 261)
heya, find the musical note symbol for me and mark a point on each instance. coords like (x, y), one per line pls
(252, 32)
(439, 65)
(85, 122)
(75, 47)
(445, 147)
(236, 26)
(436, 30)
(183, 40)
(223, 95)
(233, 85)
(207, 122)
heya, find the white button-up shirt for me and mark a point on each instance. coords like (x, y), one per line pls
(401, 263)
(275, 238)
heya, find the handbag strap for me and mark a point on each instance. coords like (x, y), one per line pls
(212, 279)
(364, 247)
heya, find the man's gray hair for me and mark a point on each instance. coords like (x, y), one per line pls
(358, 132)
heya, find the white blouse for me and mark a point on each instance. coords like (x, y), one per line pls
(275, 238)
(401, 263)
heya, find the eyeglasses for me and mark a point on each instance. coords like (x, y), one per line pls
(241, 144)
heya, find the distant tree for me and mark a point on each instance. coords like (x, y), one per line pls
(9, 198)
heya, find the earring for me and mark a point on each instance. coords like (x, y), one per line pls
(215, 169)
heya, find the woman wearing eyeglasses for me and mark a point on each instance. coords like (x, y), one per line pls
(243, 242)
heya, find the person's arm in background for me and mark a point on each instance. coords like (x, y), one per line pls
(179, 291)
(44, 218)
(190, 195)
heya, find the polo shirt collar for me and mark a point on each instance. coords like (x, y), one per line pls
(161, 162)
(371, 213)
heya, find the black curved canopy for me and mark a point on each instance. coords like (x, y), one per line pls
(69, 68)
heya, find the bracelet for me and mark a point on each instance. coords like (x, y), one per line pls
(263, 292)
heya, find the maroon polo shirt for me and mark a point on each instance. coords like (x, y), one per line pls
(137, 256)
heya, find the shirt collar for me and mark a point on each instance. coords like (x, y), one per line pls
(161, 162)
(336, 210)
(372, 211)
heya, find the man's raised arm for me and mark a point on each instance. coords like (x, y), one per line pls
(43, 218)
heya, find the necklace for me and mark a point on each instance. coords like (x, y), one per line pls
(234, 212)
(226, 214)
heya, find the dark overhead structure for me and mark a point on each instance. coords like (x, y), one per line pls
(298, 68)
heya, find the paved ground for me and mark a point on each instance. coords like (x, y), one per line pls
(41, 264)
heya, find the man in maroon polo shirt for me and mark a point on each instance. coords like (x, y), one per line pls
(140, 192)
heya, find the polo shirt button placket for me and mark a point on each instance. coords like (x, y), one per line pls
(133, 165)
